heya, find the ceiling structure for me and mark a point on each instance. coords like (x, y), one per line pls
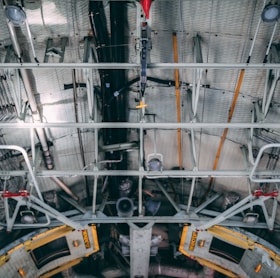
(153, 127)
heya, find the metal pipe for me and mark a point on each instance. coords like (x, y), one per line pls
(149, 174)
(255, 35)
(29, 167)
(143, 125)
(94, 194)
(30, 39)
(178, 100)
(133, 66)
(25, 75)
(270, 42)
(64, 187)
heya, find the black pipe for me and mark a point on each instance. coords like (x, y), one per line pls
(113, 108)
(99, 29)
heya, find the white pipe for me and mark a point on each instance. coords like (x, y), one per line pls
(271, 38)
(25, 156)
(255, 36)
(25, 75)
(64, 187)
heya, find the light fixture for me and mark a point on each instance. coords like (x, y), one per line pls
(270, 13)
(125, 207)
(154, 164)
(15, 14)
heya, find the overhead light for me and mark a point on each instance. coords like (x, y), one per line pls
(15, 14)
(270, 13)
(125, 207)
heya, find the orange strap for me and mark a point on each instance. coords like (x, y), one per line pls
(178, 101)
(231, 110)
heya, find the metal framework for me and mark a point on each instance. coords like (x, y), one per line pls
(257, 66)
(185, 213)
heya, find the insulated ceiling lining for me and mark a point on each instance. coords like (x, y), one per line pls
(59, 18)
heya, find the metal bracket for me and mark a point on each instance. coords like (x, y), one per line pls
(254, 176)
(55, 51)
(246, 203)
(37, 204)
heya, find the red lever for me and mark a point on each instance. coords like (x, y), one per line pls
(259, 193)
(146, 4)
(21, 193)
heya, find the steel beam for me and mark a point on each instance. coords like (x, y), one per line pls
(178, 218)
(144, 125)
(140, 245)
(241, 206)
(150, 175)
(257, 66)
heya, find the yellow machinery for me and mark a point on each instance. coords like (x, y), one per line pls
(48, 252)
(230, 252)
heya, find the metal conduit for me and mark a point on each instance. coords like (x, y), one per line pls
(30, 89)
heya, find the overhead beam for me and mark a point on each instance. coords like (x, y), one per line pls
(257, 66)
(141, 125)
(136, 173)
(178, 218)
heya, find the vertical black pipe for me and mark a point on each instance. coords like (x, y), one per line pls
(118, 19)
(114, 104)
(98, 23)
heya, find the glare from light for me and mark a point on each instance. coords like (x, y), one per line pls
(52, 15)
(15, 14)
(270, 13)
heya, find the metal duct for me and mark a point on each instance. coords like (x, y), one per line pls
(114, 103)
(30, 88)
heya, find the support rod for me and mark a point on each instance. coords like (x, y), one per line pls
(149, 174)
(169, 198)
(132, 66)
(144, 125)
